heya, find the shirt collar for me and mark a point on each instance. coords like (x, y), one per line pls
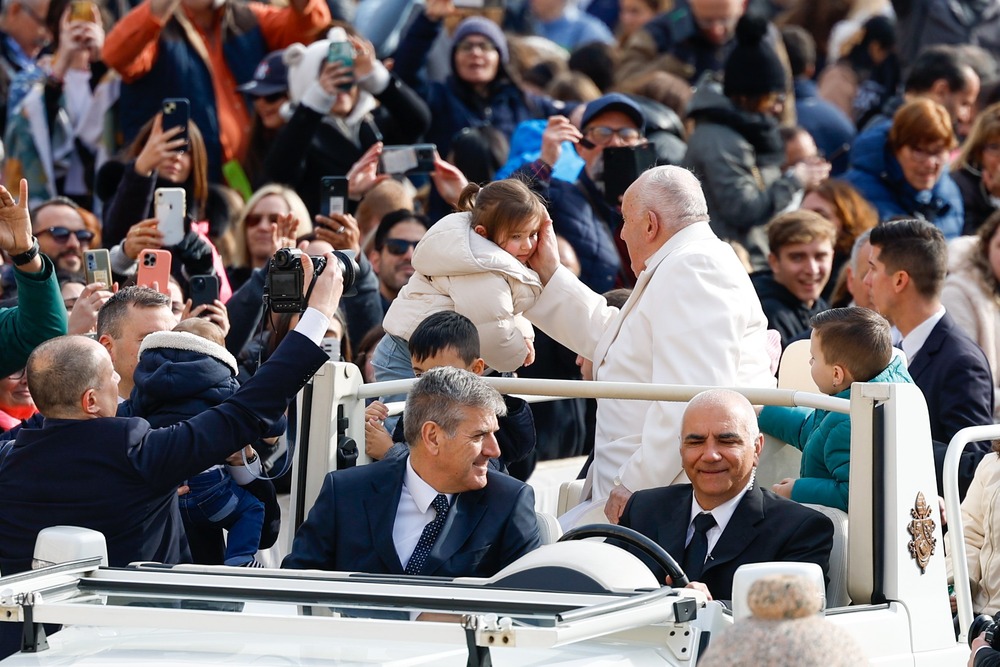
(423, 494)
(915, 340)
(724, 512)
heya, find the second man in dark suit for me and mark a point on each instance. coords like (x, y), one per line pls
(722, 520)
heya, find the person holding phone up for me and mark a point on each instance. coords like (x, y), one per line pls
(346, 102)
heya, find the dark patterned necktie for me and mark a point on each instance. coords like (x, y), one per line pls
(697, 549)
(429, 536)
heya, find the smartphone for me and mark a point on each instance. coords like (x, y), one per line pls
(154, 267)
(407, 160)
(622, 165)
(177, 113)
(203, 290)
(171, 211)
(342, 53)
(82, 10)
(333, 195)
(478, 4)
(97, 266)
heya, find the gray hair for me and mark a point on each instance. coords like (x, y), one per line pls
(674, 193)
(441, 395)
(859, 243)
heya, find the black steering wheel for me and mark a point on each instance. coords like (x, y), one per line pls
(635, 539)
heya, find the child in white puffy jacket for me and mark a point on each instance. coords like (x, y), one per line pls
(473, 263)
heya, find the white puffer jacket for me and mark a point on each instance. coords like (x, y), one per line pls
(458, 270)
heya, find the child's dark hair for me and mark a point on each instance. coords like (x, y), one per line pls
(442, 330)
(501, 206)
(856, 338)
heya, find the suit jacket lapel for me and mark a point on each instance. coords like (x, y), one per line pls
(930, 347)
(462, 520)
(380, 507)
(741, 530)
(673, 529)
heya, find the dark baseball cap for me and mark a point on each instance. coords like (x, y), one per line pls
(271, 76)
(614, 102)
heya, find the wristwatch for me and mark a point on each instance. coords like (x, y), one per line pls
(26, 256)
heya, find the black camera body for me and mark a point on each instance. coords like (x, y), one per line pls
(988, 624)
(285, 290)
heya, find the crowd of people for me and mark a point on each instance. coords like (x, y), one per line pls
(826, 170)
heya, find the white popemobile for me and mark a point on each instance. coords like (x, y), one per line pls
(570, 602)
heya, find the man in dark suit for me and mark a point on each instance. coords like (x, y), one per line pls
(907, 267)
(722, 520)
(438, 511)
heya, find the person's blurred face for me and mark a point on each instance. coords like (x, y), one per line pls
(124, 350)
(176, 167)
(268, 109)
(259, 237)
(717, 19)
(176, 299)
(989, 158)
(15, 399)
(856, 278)
(961, 104)
(62, 236)
(70, 293)
(816, 203)
(803, 268)
(26, 25)
(718, 452)
(800, 148)
(922, 166)
(344, 102)
(611, 128)
(392, 262)
(632, 15)
(634, 228)
(994, 254)
(477, 60)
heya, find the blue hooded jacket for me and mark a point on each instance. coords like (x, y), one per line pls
(878, 176)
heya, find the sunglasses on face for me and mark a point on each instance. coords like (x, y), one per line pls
(61, 234)
(254, 219)
(399, 246)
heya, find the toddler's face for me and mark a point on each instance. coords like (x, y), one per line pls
(820, 369)
(522, 240)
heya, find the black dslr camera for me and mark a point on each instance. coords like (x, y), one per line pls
(989, 624)
(285, 290)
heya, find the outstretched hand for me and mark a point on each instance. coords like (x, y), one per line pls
(15, 226)
(448, 180)
(545, 260)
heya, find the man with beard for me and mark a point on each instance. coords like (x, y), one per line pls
(397, 235)
(61, 233)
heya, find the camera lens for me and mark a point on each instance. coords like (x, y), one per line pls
(282, 258)
(349, 268)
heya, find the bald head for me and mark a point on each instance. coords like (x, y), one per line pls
(62, 370)
(720, 445)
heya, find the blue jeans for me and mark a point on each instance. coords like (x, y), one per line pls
(391, 361)
(216, 500)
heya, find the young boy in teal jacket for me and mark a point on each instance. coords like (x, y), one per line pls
(847, 345)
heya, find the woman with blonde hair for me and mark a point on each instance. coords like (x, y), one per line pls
(255, 236)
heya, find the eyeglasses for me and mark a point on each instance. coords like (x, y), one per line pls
(399, 246)
(35, 16)
(924, 155)
(61, 234)
(467, 46)
(18, 375)
(602, 134)
(254, 219)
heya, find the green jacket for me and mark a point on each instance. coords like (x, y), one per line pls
(825, 441)
(39, 316)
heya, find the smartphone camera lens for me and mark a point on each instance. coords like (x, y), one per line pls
(149, 260)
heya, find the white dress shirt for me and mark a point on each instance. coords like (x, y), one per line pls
(722, 514)
(413, 513)
(915, 340)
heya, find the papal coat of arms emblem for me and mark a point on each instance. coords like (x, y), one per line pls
(922, 529)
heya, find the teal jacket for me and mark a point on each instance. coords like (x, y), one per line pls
(825, 441)
(39, 316)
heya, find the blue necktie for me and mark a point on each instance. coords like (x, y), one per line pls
(697, 549)
(429, 536)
